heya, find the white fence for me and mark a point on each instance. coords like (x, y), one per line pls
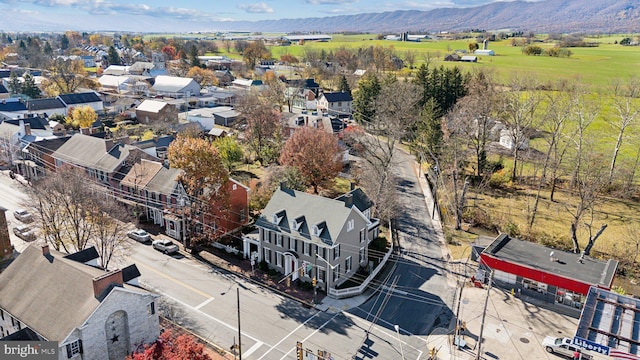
(357, 290)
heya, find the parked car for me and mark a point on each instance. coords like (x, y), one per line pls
(23, 215)
(564, 347)
(165, 245)
(25, 232)
(139, 235)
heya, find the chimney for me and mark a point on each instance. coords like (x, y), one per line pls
(283, 185)
(45, 250)
(352, 185)
(103, 282)
(108, 144)
(22, 130)
(84, 131)
(348, 200)
(27, 129)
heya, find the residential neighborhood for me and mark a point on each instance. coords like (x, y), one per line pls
(316, 196)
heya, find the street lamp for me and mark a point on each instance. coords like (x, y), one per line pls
(400, 341)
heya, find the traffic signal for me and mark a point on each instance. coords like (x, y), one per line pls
(301, 272)
(314, 282)
(299, 351)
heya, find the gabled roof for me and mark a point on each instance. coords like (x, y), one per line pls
(44, 104)
(84, 256)
(12, 105)
(152, 106)
(80, 98)
(130, 272)
(92, 152)
(303, 83)
(337, 96)
(315, 210)
(141, 173)
(113, 80)
(116, 70)
(34, 284)
(359, 198)
(36, 123)
(173, 84)
(47, 146)
(165, 181)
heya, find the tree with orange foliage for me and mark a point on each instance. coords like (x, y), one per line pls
(289, 59)
(204, 77)
(170, 52)
(203, 174)
(169, 347)
(316, 155)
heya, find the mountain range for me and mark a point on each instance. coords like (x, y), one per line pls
(563, 16)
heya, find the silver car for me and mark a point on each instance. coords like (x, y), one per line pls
(139, 235)
(165, 245)
(25, 232)
(23, 215)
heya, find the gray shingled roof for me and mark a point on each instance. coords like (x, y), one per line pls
(360, 199)
(91, 152)
(44, 104)
(164, 182)
(50, 295)
(293, 204)
(84, 256)
(532, 255)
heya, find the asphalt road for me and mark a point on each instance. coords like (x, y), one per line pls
(421, 299)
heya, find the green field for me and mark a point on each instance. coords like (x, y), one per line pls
(595, 65)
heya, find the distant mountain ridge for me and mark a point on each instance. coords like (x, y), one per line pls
(604, 16)
(563, 16)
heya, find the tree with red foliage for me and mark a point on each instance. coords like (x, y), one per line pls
(316, 155)
(168, 347)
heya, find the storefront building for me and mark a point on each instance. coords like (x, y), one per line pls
(557, 277)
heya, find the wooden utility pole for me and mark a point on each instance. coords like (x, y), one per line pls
(484, 315)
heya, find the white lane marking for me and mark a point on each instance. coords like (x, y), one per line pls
(313, 333)
(252, 349)
(204, 303)
(289, 334)
(211, 317)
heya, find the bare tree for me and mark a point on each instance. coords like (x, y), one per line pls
(410, 57)
(451, 164)
(554, 123)
(626, 107)
(590, 184)
(518, 108)
(110, 226)
(585, 111)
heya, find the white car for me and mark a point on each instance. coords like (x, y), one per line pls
(23, 215)
(139, 235)
(165, 245)
(564, 347)
(25, 232)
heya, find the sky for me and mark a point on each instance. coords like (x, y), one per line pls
(135, 15)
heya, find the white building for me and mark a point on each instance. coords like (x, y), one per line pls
(176, 87)
(92, 314)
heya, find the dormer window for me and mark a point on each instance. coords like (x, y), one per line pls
(317, 229)
(276, 218)
(296, 223)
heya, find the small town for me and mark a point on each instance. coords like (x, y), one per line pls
(451, 193)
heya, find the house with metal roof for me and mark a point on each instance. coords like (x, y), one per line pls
(336, 103)
(90, 99)
(116, 83)
(558, 277)
(175, 87)
(209, 117)
(46, 107)
(91, 313)
(12, 108)
(308, 236)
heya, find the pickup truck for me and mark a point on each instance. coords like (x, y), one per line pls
(564, 346)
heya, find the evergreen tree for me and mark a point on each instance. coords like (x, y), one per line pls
(193, 54)
(47, 48)
(344, 85)
(15, 87)
(113, 58)
(29, 87)
(64, 42)
(364, 99)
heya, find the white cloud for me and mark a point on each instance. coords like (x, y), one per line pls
(330, 2)
(256, 8)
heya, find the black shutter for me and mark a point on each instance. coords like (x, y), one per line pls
(68, 351)
(80, 346)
